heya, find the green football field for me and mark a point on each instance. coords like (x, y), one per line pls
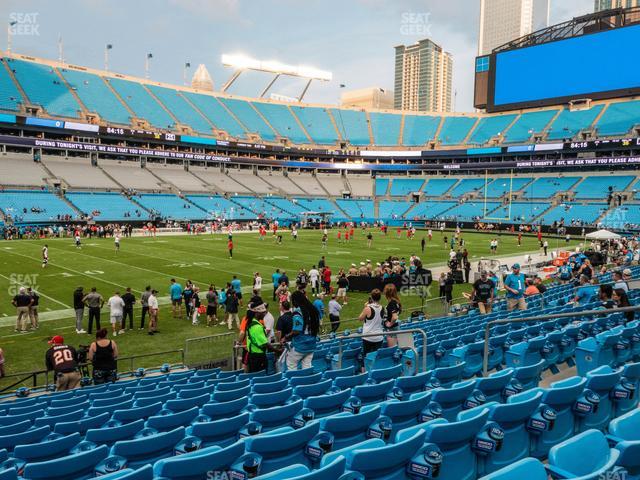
(203, 259)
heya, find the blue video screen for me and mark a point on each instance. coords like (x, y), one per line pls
(574, 67)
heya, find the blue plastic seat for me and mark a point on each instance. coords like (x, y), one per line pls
(321, 360)
(315, 389)
(143, 473)
(200, 464)
(282, 447)
(603, 381)
(110, 435)
(529, 376)
(331, 471)
(104, 402)
(416, 383)
(146, 449)
(493, 387)
(194, 392)
(145, 401)
(15, 428)
(30, 436)
(383, 374)
(496, 350)
(405, 413)
(68, 402)
(110, 408)
(267, 400)
(472, 356)
(48, 449)
(152, 393)
(328, 404)
(270, 387)
(220, 410)
(586, 456)
(227, 386)
(528, 468)
(305, 379)
(76, 466)
(624, 434)
(189, 385)
(167, 420)
(376, 460)
(181, 404)
(9, 474)
(567, 399)
(226, 396)
(333, 374)
(447, 376)
(267, 378)
(349, 428)
(81, 426)
(352, 381)
(515, 419)
(219, 432)
(523, 354)
(596, 351)
(626, 399)
(51, 421)
(299, 373)
(454, 399)
(373, 393)
(274, 417)
(455, 441)
(136, 413)
(350, 359)
(382, 358)
(13, 419)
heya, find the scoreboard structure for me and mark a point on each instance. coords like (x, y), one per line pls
(589, 57)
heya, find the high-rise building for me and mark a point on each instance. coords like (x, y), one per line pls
(600, 5)
(372, 97)
(423, 77)
(504, 20)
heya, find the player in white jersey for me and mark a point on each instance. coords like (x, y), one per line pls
(116, 239)
(77, 239)
(45, 255)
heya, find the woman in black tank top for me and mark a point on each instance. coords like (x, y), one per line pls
(103, 354)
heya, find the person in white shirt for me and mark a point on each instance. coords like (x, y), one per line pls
(116, 239)
(314, 276)
(153, 312)
(334, 313)
(45, 255)
(257, 281)
(116, 307)
(269, 324)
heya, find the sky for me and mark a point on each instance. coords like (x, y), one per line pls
(353, 39)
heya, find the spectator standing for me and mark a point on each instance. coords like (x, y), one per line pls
(129, 300)
(515, 286)
(22, 301)
(372, 317)
(152, 301)
(334, 313)
(187, 293)
(304, 333)
(33, 308)
(94, 301)
(103, 354)
(78, 306)
(392, 314)
(62, 359)
(236, 284)
(343, 285)
(175, 291)
(212, 306)
(232, 305)
(269, 323)
(144, 300)
(314, 276)
(482, 294)
(195, 306)
(116, 309)
(275, 279)
(284, 325)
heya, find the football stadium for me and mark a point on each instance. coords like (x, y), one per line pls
(203, 281)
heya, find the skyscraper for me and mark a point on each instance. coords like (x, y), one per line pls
(504, 20)
(423, 77)
(600, 5)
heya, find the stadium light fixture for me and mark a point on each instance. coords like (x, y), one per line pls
(241, 63)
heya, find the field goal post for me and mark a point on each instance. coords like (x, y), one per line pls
(486, 209)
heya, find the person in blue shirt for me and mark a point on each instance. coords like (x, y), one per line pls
(319, 306)
(304, 335)
(515, 286)
(237, 287)
(175, 291)
(564, 273)
(585, 292)
(275, 279)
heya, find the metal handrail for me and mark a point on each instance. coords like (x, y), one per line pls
(131, 358)
(541, 318)
(388, 333)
